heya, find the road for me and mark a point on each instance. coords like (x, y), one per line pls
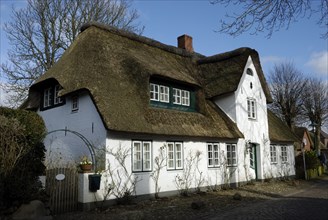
(310, 203)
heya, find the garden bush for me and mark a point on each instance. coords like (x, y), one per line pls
(21, 156)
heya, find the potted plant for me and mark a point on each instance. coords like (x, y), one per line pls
(85, 164)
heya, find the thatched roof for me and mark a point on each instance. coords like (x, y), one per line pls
(278, 131)
(115, 67)
(221, 73)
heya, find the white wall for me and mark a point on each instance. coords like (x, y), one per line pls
(279, 169)
(67, 149)
(255, 130)
(146, 185)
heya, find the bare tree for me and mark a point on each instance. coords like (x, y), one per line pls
(41, 32)
(271, 15)
(286, 86)
(315, 106)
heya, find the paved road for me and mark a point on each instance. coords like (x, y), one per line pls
(310, 203)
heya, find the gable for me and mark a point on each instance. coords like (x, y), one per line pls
(221, 74)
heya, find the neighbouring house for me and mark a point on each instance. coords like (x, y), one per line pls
(304, 140)
(208, 115)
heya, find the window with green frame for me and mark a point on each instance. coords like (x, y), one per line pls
(171, 96)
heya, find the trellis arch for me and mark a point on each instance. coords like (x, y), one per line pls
(84, 139)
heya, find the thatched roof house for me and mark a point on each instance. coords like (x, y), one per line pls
(115, 68)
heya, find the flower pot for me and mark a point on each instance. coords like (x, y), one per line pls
(94, 182)
(86, 167)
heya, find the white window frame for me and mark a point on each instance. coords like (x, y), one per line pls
(231, 154)
(284, 155)
(142, 156)
(47, 95)
(273, 154)
(213, 158)
(164, 94)
(57, 100)
(154, 92)
(185, 98)
(75, 103)
(251, 108)
(176, 96)
(174, 155)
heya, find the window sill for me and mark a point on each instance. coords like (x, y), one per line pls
(174, 169)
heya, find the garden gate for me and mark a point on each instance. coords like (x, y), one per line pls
(62, 188)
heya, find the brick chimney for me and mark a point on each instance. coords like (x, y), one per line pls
(185, 42)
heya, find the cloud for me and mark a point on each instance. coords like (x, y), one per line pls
(319, 62)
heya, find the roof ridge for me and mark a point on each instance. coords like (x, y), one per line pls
(224, 56)
(142, 39)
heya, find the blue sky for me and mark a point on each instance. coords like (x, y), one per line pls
(164, 21)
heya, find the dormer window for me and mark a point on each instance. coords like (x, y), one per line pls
(47, 97)
(50, 98)
(177, 96)
(181, 97)
(164, 94)
(58, 99)
(154, 92)
(169, 95)
(185, 97)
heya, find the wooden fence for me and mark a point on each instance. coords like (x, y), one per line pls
(63, 193)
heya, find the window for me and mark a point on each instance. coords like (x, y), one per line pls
(249, 71)
(75, 103)
(50, 98)
(57, 100)
(164, 94)
(283, 154)
(47, 98)
(170, 97)
(251, 108)
(174, 156)
(142, 152)
(213, 155)
(181, 97)
(154, 92)
(273, 154)
(185, 98)
(252, 156)
(177, 96)
(231, 155)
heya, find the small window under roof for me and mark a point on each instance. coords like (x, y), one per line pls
(249, 71)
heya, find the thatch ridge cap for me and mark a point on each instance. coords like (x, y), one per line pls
(142, 39)
(225, 55)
